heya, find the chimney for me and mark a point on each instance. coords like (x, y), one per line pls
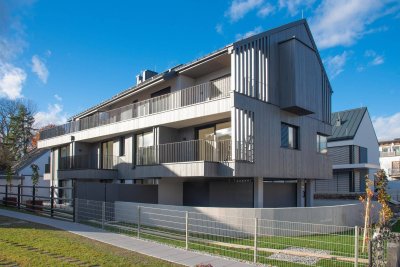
(139, 79)
(148, 74)
(338, 121)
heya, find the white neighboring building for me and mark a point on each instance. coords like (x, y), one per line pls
(390, 158)
(23, 173)
(354, 151)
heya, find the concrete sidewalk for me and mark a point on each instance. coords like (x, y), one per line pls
(175, 255)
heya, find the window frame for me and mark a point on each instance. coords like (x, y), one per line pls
(319, 135)
(296, 136)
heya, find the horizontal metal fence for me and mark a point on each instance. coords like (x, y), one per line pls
(53, 201)
(192, 95)
(89, 161)
(193, 150)
(258, 240)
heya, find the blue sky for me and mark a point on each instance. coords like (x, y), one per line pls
(69, 55)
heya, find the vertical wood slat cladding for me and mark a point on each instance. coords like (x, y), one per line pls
(251, 69)
(244, 134)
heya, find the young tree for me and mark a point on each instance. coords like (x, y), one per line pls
(35, 174)
(385, 213)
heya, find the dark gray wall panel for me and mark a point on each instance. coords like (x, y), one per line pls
(231, 194)
(277, 195)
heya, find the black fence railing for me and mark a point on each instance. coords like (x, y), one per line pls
(52, 201)
(88, 161)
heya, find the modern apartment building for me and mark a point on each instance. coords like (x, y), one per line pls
(390, 157)
(240, 127)
(354, 152)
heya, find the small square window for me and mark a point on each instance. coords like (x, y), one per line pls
(289, 136)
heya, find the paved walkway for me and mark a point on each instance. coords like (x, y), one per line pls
(175, 255)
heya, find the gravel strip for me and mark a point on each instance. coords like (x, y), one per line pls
(307, 260)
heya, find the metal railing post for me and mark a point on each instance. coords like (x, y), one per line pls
(103, 214)
(33, 198)
(138, 223)
(51, 201)
(370, 253)
(6, 199)
(187, 230)
(19, 197)
(356, 246)
(255, 239)
(75, 210)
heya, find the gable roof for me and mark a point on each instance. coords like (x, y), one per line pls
(28, 159)
(350, 121)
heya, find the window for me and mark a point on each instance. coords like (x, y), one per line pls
(289, 136)
(145, 151)
(122, 146)
(322, 142)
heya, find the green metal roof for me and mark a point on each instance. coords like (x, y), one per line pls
(349, 122)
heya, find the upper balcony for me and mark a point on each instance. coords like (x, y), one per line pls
(201, 93)
(390, 153)
(89, 167)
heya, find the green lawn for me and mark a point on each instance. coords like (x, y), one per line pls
(28, 244)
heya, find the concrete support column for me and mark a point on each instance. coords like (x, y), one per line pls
(310, 190)
(258, 192)
(300, 193)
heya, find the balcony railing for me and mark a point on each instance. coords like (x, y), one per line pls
(194, 150)
(193, 95)
(394, 172)
(97, 162)
(390, 153)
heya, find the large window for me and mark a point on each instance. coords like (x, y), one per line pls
(322, 144)
(145, 149)
(289, 136)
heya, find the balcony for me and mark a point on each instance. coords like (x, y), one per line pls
(390, 153)
(88, 167)
(395, 173)
(201, 93)
(194, 150)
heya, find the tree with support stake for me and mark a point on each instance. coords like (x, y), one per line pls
(367, 216)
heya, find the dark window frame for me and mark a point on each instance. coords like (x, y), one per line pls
(296, 137)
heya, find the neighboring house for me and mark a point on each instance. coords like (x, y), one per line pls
(235, 128)
(22, 173)
(390, 157)
(354, 151)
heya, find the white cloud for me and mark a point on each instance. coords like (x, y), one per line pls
(255, 31)
(239, 8)
(335, 64)
(266, 10)
(375, 58)
(53, 115)
(11, 81)
(57, 97)
(219, 29)
(387, 127)
(294, 6)
(39, 67)
(343, 22)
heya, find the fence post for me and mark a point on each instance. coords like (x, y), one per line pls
(187, 230)
(51, 201)
(33, 198)
(75, 210)
(356, 246)
(370, 253)
(19, 197)
(103, 213)
(255, 239)
(138, 224)
(6, 199)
